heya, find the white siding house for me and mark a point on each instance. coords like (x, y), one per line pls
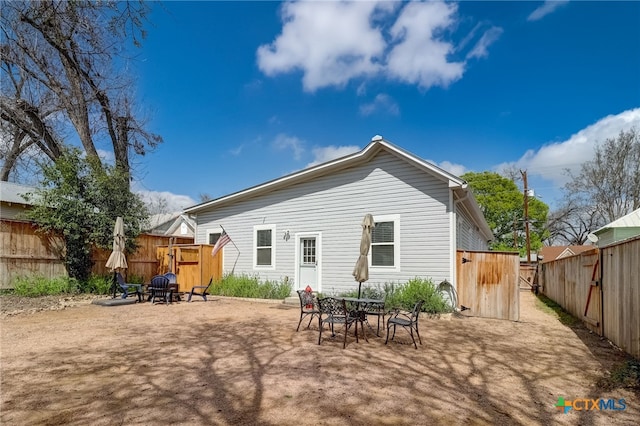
(307, 226)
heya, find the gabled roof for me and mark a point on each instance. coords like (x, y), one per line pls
(550, 253)
(376, 145)
(12, 192)
(169, 223)
(632, 220)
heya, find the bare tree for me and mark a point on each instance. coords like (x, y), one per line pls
(609, 184)
(572, 223)
(58, 74)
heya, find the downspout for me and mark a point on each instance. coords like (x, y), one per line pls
(453, 265)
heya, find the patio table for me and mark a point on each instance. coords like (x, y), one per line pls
(360, 310)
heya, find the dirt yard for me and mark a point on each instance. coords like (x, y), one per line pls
(235, 362)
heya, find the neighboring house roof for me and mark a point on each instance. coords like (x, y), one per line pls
(459, 186)
(631, 220)
(171, 224)
(12, 192)
(551, 253)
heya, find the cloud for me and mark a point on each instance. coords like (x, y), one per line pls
(330, 42)
(487, 39)
(333, 43)
(548, 7)
(454, 169)
(382, 102)
(174, 202)
(420, 56)
(283, 141)
(331, 152)
(550, 161)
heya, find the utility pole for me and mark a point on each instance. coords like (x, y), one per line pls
(526, 214)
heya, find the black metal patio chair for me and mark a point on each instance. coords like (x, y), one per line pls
(308, 306)
(334, 311)
(407, 320)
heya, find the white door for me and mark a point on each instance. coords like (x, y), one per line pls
(307, 263)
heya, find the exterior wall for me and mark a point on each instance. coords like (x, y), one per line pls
(12, 211)
(334, 206)
(468, 237)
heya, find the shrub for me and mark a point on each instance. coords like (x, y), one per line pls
(405, 296)
(34, 286)
(98, 284)
(250, 286)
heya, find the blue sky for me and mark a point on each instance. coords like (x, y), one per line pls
(246, 92)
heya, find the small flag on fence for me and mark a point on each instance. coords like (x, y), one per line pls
(222, 241)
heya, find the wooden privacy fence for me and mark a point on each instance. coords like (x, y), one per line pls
(23, 252)
(601, 287)
(487, 283)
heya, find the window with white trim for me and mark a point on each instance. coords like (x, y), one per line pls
(213, 235)
(385, 242)
(264, 253)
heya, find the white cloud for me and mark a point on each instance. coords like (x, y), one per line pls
(550, 161)
(549, 6)
(382, 102)
(331, 152)
(420, 57)
(330, 42)
(283, 141)
(174, 202)
(454, 169)
(333, 43)
(487, 39)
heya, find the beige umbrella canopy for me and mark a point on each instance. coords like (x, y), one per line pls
(117, 260)
(361, 270)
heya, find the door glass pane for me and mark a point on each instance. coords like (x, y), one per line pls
(309, 251)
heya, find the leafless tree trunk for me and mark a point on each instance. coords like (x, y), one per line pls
(58, 59)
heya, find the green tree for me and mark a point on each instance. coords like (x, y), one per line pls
(502, 204)
(79, 201)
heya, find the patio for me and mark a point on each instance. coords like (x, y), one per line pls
(237, 362)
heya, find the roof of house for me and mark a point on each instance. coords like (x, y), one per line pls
(174, 220)
(377, 144)
(557, 252)
(12, 192)
(631, 220)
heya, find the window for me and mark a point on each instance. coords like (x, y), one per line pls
(264, 254)
(385, 242)
(213, 235)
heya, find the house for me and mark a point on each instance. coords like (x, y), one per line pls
(306, 227)
(621, 229)
(550, 253)
(12, 203)
(171, 224)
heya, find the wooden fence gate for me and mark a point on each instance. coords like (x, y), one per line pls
(487, 283)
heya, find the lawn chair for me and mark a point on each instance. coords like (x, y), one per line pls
(160, 289)
(200, 290)
(126, 286)
(334, 311)
(173, 279)
(407, 320)
(308, 306)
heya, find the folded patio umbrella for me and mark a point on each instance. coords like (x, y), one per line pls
(361, 270)
(117, 259)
